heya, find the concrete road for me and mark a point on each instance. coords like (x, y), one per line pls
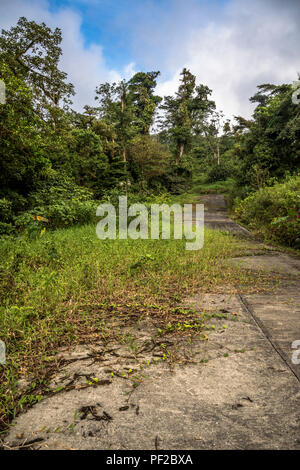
(238, 390)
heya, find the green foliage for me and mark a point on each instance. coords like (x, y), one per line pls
(219, 187)
(219, 172)
(32, 52)
(5, 209)
(185, 112)
(21, 155)
(86, 161)
(7, 229)
(271, 139)
(125, 111)
(149, 157)
(274, 211)
(141, 89)
(6, 215)
(61, 202)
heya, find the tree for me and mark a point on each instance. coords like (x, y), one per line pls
(32, 52)
(117, 111)
(269, 143)
(141, 87)
(86, 161)
(211, 129)
(22, 160)
(150, 157)
(185, 112)
(126, 109)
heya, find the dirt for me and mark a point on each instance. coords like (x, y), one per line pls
(235, 388)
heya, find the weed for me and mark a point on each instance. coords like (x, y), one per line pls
(70, 287)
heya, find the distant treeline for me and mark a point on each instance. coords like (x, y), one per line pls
(54, 161)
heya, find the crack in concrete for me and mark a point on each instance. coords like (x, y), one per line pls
(266, 333)
(238, 400)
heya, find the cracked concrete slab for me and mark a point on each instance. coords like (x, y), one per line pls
(278, 314)
(276, 262)
(216, 217)
(236, 393)
(235, 389)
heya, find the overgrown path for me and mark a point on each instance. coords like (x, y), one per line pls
(235, 387)
(277, 315)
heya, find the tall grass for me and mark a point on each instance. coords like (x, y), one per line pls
(57, 289)
(274, 211)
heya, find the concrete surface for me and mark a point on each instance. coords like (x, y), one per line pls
(238, 389)
(216, 217)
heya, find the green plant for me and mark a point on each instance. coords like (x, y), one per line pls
(274, 211)
(219, 172)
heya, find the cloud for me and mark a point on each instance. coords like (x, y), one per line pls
(231, 49)
(85, 66)
(255, 45)
(230, 45)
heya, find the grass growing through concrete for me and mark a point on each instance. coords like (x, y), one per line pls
(61, 288)
(200, 186)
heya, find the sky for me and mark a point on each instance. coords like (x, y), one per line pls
(230, 45)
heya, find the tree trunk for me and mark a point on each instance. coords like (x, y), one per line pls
(218, 153)
(181, 150)
(113, 148)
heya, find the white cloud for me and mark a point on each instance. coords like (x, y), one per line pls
(231, 48)
(249, 44)
(129, 71)
(85, 66)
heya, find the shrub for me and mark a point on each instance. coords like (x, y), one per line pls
(219, 172)
(59, 201)
(5, 210)
(274, 211)
(149, 157)
(7, 229)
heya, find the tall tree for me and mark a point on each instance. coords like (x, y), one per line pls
(32, 51)
(184, 112)
(270, 141)
(22, 159)
(212, 127)
(86, 161)
(116, 109)
(141, 88)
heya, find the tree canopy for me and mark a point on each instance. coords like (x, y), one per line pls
(130, 136)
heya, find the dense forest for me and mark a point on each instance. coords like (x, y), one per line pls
(56, 163)
(60, 285)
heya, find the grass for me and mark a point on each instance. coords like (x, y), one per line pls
(64, 287)
(200, 186)
(273, 212)
(220, 187)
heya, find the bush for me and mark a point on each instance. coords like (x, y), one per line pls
(274, 211)
(219, 172)
(7, 229)
(57, 203)
(148, 159)
(5, 210)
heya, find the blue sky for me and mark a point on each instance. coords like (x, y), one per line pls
(112, 23)
(230, 45)
(101, 23)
